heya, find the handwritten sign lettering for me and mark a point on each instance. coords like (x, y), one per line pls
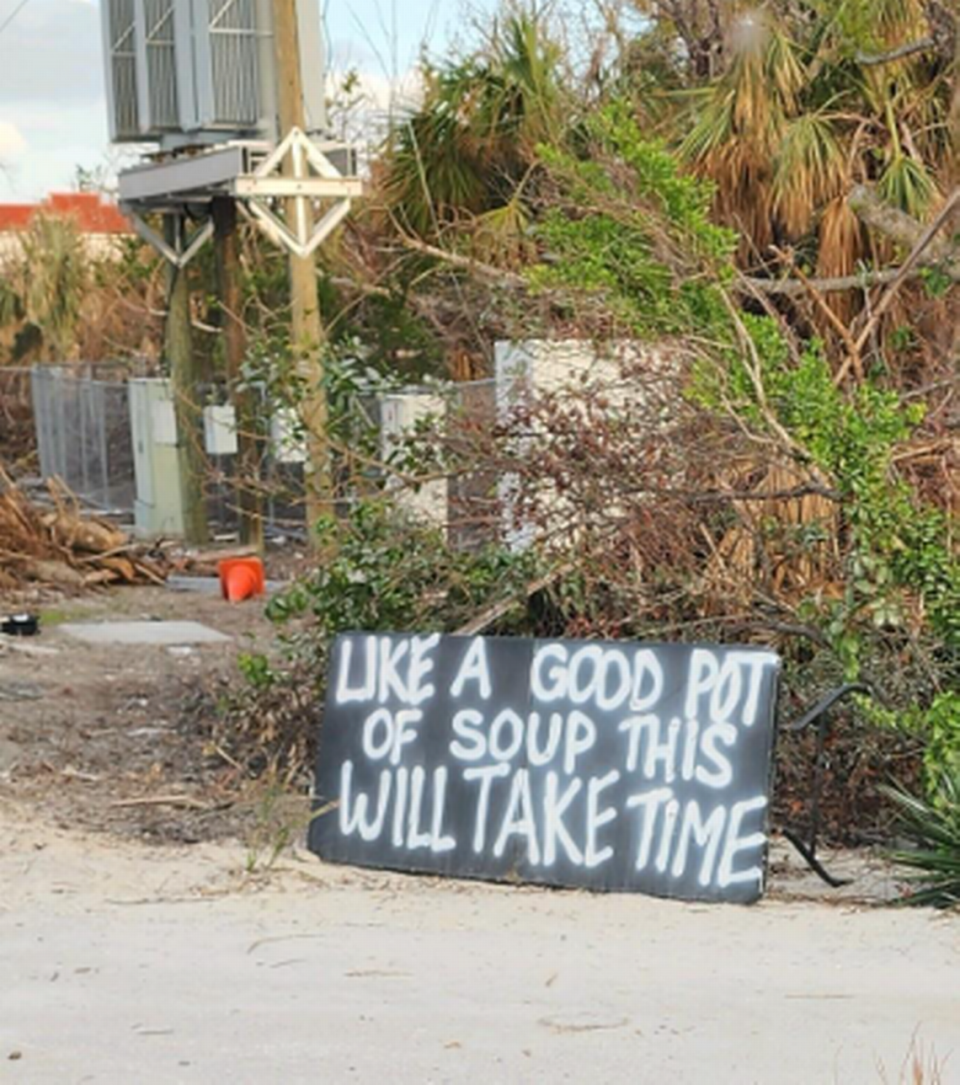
(607, 766)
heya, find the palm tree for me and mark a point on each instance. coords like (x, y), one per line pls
(801, 113)
(463, 157)
(54, 278)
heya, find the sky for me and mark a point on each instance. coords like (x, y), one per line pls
(52, 105)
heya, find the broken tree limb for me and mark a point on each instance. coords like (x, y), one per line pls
(464, 263)
(185, 801)
(909, 49)
(491, 614)
(894, 225)
(64, 547)
(88, 536)
(819, 300)
(922, 244)
(891, 222)
(871, 210)
(794, 287)
(902, 229)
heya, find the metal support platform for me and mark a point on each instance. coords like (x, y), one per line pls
(280, 189)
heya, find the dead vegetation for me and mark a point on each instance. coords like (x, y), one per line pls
(60, 546)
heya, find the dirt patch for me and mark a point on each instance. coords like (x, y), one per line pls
(121, 738)
(132, 741)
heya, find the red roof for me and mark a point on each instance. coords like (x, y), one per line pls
(16, 216)
(92, 214)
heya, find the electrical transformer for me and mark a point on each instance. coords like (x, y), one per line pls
(196, 72)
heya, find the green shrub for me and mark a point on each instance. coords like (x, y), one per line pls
(381, 571)
(932, 827)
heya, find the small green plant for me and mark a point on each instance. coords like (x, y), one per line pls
(256, 669)
(942, 755)
(276, 826)
(273, 829)
(933, 829)
(376, 571)
(642, 208)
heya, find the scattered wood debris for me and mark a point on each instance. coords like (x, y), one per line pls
(63, 547)
(207, 562)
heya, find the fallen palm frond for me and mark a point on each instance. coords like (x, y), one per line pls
(61, 546)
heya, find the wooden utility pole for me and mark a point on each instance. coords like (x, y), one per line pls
(249, 503)
(185, 380)
(307, 331)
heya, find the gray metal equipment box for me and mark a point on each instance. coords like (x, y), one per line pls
(158, 509)
(188, 72)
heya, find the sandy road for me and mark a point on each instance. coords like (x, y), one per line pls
(120, 963)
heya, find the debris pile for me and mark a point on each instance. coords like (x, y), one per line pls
(60, 546)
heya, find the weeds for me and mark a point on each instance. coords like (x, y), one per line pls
(920, 1067)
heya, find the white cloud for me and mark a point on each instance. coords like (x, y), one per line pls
(51, 93)
(364, 103)
(12, 143)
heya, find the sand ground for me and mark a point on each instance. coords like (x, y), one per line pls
(126, 963)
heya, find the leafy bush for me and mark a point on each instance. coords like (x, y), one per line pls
(755, 496)
(933, 828)
(381, 571)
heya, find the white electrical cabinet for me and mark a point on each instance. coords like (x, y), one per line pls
(158, 508)
(287, 440)
(220, 430)
(531, 369)
(400, 415)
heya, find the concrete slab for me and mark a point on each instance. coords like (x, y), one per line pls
(144, 633)
(199, 585)
(210, 585)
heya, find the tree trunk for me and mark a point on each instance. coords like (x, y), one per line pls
(307, 331)
(186, 380)
(249, 502)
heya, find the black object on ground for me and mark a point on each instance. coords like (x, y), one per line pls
(20, 625)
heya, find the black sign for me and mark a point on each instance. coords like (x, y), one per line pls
(572, 763)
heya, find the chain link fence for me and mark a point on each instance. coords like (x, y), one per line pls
(82, 419)
(18, 438)
(81, 422)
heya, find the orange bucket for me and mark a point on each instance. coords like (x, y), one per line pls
(242, 578)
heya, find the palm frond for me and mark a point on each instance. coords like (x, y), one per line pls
(907, 184)
(738, 129)
(933, 828)
(841, 248)
(56, 280)
(11, 304)
(500, 236)
(466, 149)
(810, 171)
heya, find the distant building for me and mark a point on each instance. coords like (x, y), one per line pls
(100, 222)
